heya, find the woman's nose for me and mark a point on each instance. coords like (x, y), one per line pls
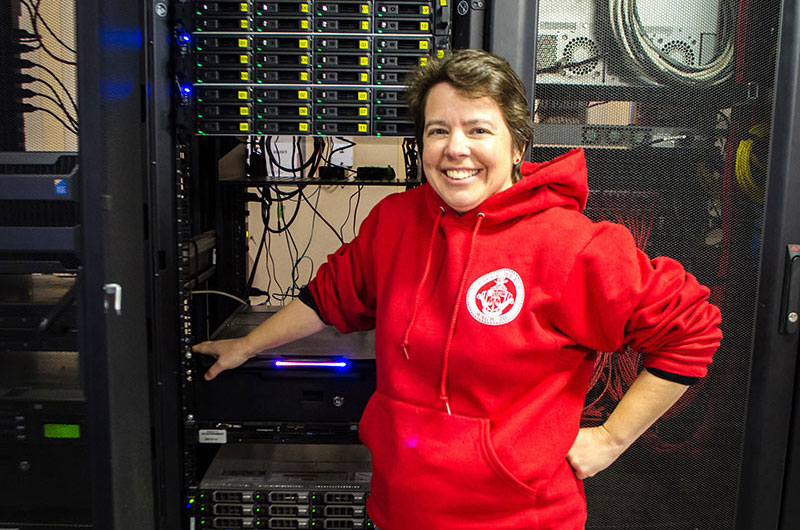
(457, 145)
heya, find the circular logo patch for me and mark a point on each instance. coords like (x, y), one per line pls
(496, 298)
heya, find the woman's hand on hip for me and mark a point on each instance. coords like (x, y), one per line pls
(593, 451)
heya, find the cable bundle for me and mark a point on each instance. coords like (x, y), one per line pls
(746, 158)
(632, 38)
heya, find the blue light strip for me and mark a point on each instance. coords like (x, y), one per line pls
(310, 364)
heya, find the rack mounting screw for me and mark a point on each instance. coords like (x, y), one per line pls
(792, 317)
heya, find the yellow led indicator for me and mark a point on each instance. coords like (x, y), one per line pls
(242, 94)
(244, 126)
(244, 76)
(426, 10)
(243, 43)
(423, 45)
(243, 24)
(364, 61)
(244, 59)
(303, 76)
(443, 3)
(304, 59)
(423, 26)
(363, 111)
(364, 77)
(365, 9)
(303, 111)
(303, 127)
(304, 24)
(304, 8)
(302, 43)
(439, 53)
(365, 25)
(363, 44)
(423, 61)
(302, 94)
(243, 7)
(362, 127)
(244, 111)
(362, 96)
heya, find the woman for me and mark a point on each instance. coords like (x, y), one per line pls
(489, 293)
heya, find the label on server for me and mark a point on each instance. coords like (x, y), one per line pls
(219, 42)
(349, 8)
(232, 24)
(399, 60)
(349, 61)
(400, 44)
(397, 9)
(232, 95)
(282, 127)
(282, 8)
(341, 95)
(265, 112)
(213, 436)
(341, 127)
(411, 25)
(343, 25)
(282, 76)
(342, 77)
(283, 60)
(348, 112)
(282, 43)
(223, 76)
(341, 43)
(213, 60)
(288, 95)
(282, 24)
(223, 111)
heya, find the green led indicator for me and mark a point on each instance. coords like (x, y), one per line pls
(62, 430)
(191, 501)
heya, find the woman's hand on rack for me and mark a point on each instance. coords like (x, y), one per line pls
(230, 353)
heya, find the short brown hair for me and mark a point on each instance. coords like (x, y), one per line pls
(474, 74)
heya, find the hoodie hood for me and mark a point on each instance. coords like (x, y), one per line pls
(561, 182)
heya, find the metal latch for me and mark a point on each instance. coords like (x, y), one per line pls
(790, 299)
(113, 297)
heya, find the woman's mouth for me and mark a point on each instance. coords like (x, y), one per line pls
(461, 174)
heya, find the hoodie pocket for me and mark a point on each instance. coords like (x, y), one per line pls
(433, 470)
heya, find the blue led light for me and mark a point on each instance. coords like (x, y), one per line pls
(310, 364)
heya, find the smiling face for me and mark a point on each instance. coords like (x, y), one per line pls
(468, 155)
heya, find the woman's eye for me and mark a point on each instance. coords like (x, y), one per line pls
(436, 132)
(480, 130)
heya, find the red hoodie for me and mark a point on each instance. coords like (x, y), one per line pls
(486, 325)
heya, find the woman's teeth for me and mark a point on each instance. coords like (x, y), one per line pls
(461, 174)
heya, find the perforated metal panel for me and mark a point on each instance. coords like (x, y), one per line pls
(671, 101)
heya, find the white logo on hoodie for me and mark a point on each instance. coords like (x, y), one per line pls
(496, 298)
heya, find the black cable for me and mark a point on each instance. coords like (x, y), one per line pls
(39, 16)
(279, 166)
(27, 107)
(24, 63)
(28, 94)
(349, 209)
(355, 212)
(561, 65)
(25, 78)
(38, 36)
(341, 239)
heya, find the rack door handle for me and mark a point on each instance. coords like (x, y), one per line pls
(790, 307)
